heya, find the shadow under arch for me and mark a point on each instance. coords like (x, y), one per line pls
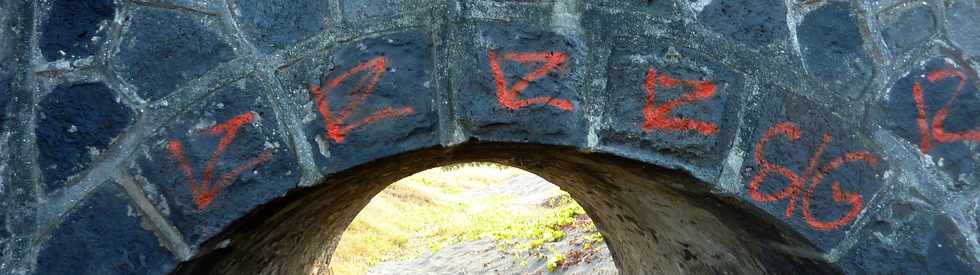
(654, 220)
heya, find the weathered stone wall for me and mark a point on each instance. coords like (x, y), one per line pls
(138, 135)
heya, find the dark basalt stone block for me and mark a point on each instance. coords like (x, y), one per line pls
(216, 162)
(72, 28)
(520, 84)
(948, 142)
(76, 124)
(833, 50)
(748, 21)
(104, 235)
(164, 49)
(277, 24)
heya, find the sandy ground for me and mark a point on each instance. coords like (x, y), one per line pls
(485, 256)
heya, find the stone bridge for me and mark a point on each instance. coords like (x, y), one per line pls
(703, 136)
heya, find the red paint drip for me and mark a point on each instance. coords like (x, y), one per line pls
(656, 117)
(204, 191)
(812, 174)
(337, 126)
(508, 97)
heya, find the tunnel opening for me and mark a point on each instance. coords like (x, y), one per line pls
(472, 218)
(654, 220)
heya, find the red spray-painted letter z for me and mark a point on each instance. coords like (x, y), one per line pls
(508, 96)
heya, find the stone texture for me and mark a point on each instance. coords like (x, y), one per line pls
(552, 114)
(633, 126)
(394, 115)
(807, 148)
(18, 189)
(660, 9)
(747, 21)
(104, 235)
(255, 164)
(905, 28)
(910, 238)
(354, 10)
(6, 89)
(187, 45)
(958, 158)
(253, 178)
(275, 25)
(73, 28)
(832, 49)
(77, 124)
(964, 25)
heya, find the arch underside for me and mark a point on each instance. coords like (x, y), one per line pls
(655, 220)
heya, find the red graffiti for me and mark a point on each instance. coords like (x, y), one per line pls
(508, 96)
(937, 132)
(204, 191)
(813, 174)
(337, 128)
(656, 117)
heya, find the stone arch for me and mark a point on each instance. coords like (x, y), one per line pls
(655, 220)
(139, 135)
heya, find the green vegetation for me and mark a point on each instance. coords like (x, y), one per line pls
(546, 229)
(556, 259)
(436, 208)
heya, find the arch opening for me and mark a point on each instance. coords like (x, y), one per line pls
(472, 218)
(654, 220)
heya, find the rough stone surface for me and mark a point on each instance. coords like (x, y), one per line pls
(801, 142)
(639, 127)
(104, 235)
(77, 124)
(905, 28)
(964, 25)
(354, 10)
(75, 28)
(958, 158)
(6, 89)
(186, 44)
(833, 49)
(18, 193)
(925, 242)
(750, 22)
(393, 115)
(547, 106)
(750, 137)
(223, 181)
(273, 25)
(665, 9)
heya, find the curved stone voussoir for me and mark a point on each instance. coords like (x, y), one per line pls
(216, 161)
